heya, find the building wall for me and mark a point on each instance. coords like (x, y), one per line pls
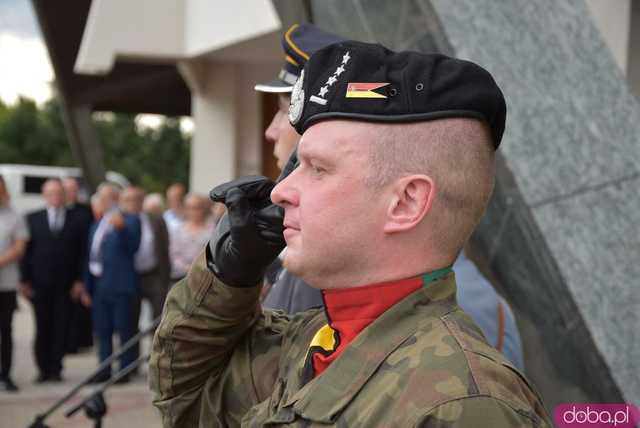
(213, 25)
(213, 156)
(147, 29)
(619, 24)
(229, 123)
(249, 117)
(633, 62)
(613, 20)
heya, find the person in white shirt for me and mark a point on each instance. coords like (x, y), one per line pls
(13, 238)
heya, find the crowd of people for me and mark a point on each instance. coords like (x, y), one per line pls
(87, 268)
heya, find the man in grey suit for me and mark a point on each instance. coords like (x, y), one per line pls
(152, 258)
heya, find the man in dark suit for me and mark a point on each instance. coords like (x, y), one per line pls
(72, 200)
(51, 273)
(80, 326)
(111, 279)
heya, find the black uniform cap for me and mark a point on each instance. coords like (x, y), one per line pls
(368, 82)
(299, 42)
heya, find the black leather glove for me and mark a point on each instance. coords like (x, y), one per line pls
(249, 237)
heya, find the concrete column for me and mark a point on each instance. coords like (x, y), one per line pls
(213, 153)
(84, 141)
(227, 113)
(249, 116)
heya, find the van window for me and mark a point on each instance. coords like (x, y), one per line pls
(33, 184)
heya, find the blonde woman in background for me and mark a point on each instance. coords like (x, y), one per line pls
(188, 238)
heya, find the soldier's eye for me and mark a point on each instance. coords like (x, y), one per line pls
(316, 169)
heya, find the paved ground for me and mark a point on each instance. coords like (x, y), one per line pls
(128, 405)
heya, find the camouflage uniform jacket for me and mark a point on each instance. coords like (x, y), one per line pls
(219, 360)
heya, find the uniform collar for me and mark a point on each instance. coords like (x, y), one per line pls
(323, 398)
(366, 302)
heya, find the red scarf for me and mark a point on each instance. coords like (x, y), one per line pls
(351, 310)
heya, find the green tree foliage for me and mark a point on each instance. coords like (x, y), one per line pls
(33, 136)
(152, 158)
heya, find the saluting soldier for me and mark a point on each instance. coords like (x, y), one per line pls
(285, 291)
(396, 165)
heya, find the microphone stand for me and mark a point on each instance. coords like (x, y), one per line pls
(40, 418)
(95, 407)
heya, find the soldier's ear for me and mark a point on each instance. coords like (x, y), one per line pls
(412, 198)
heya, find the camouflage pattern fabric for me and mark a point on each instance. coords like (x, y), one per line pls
(219, 360)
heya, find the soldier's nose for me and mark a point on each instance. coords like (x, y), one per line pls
(284, 195)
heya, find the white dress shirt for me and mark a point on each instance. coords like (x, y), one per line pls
(172, 219)
(95, 253)
(56, 217)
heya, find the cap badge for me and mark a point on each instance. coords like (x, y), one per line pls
(364, 90)
(297, 100)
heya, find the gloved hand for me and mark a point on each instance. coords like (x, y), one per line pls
(249, 237)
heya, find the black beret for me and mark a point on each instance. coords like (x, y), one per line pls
(368, 82)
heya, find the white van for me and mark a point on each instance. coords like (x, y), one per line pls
(24, 183)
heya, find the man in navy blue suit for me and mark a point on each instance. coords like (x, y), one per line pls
(111, 279)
